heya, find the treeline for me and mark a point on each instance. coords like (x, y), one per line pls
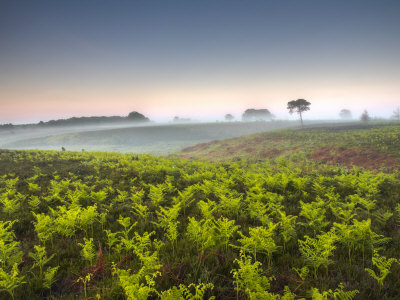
(75, 121)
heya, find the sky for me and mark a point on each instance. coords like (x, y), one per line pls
(197, 59)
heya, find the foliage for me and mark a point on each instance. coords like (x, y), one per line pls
(10, 281)
(88, 252)
(247, 278)
(317, 252)
(383, 264)
(299, 106)
(176, 228)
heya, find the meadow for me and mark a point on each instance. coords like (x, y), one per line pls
(103, 225)
(371, 146)
(153, 138)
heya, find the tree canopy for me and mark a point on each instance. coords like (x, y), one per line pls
(298, 106)
(257, 115)
(138, 117)
(345, 114)
(229, 117)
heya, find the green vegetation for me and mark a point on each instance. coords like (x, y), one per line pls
(373, 146)
(128, 226)
(124, 226)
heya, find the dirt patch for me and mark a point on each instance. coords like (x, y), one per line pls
(365, 157)
(199, 147)
(270, 153)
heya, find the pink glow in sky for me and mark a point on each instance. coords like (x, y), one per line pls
(197, 60)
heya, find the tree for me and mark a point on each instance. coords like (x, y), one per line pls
(229, 117)
(257, 115)
(299, 106)
(365, 117)
(137, 117)
(396, 114)
(345, 114)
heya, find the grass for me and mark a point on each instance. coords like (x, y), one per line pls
(365, 144)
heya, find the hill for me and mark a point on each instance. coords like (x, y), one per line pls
(133, 117)
(369, 146)
(155, 139)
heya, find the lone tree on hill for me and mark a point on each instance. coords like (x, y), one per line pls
(299, 106)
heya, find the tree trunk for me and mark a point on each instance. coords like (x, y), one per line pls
(301, 120)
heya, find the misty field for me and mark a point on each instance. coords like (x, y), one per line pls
(101, 225)
(152, 138)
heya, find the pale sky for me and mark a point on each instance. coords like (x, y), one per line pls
(197, 59)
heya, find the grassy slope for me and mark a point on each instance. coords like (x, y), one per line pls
(368, 146)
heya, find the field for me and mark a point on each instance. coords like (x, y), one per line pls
(153, 138)
(284, 220)
(369, 146)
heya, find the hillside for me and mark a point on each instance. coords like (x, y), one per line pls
(154, 139)
(368, 146)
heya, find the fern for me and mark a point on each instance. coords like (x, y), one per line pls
(260, 240)
(346, 237)
(337, 294)
(126, 223)
(66, 220)
(49, 277)
(186, 197)
(85, 280)
(11, 201)
(44, 227)
(226, 229)
(87, 217)
(248, 278)
(34, 203)
(156, 194)
(317, 252)
(230, 204)
(137, 197)
(258, 211)
(185, 293)
(202, 233)
(199, 292)
(140, 285)
(10, 281)
(141, 210)
(112, 239)
(314, 214)
(10, 253)
(383, 264)
(88, 251)
(287, 227)
(366, 238)
(40, 258)
(207, 209)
